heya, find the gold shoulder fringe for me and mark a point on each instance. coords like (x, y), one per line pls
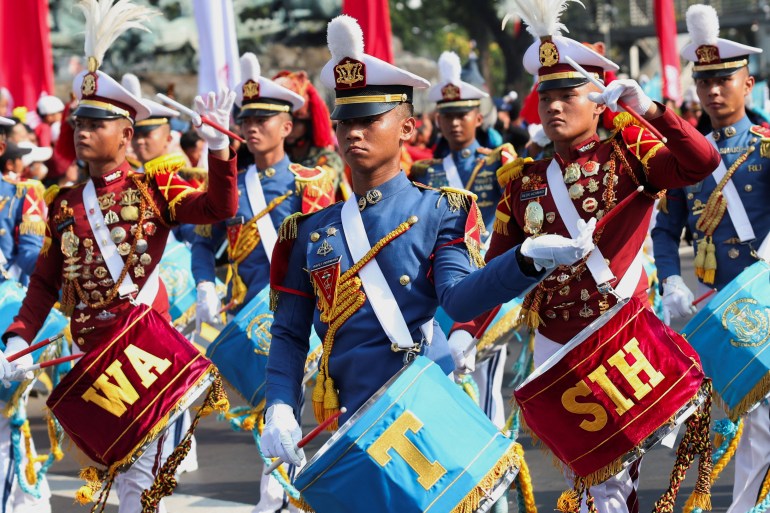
(50, 194)
(32, 228)
(164, 164)
(314, 186)
(512, 170)
(456, 198)
(289, 227)
(495, 155)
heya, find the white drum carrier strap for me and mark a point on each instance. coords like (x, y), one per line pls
(109, 251)
(376, 287)
(596, 264)
(267, 232)
(735, 208)
(452, 175)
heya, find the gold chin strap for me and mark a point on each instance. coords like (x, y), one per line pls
(266, 106)
(566, 74)
(458, 103)
(371, 98)
(722, 65)
(106, 106)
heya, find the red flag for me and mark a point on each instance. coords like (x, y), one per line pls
(374, 18)
(665, 25)
(26, 68)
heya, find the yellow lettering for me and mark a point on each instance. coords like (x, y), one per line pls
(114, 396)
(569, 401)
(631, 372)
(599, 376)
(394, 437)
(143, 363)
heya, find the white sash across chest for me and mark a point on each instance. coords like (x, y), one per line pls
(375, 285)
(452, 175)
(109, 251)
(267, 232)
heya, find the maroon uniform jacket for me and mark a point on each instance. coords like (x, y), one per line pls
(139, 210)
(602, 173)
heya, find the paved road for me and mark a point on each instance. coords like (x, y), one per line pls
(227, 480)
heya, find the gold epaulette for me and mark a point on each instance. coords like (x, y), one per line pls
(51, 193)
(22, 186)
(457, 198)
(496, 155)
(513, 170)
(623, 120)
(196, 173)
(764, 142)
(133, 162)
(290, 226)
(639, 141)
(320, 178)
(164, 164)
(420, 168)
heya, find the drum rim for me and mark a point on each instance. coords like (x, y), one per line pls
(575, 341)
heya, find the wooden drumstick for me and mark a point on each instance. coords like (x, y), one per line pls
(199, 118)
(481, 331)
(34, 347)
(704, 296)
(623, 105)
(307, 438)
(55, 361)
(620, 206)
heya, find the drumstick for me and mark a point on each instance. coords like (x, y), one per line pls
(620, 206)
(34, 347)
(481, 331)
(199, 118)
(55, 361)
(704, 296)
(307, 438)
(621, 103)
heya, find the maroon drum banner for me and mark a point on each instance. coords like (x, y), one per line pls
(608, 393)
(121, 393)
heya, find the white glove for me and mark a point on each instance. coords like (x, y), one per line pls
(207, 305)
(216, 107)
(549, 251)
(282, 434)
(537, 135)
(627, 90)
(14, 371)
(677, 299)
(463, 351)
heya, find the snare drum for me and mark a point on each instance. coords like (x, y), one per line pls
(732, 335)
(419, 444)
(122, 394)
(612, 392)
(240, 350)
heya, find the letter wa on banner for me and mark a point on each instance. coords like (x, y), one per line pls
(217, 45)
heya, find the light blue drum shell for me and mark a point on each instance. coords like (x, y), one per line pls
(11, 295)
(241, 348)
(447, 427)
(732, 336)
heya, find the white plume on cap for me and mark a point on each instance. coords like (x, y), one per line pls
(449, 68)
(541, 16)
(250, 68)
(345, 38)
(131, 83)
(106, 20)
(702, 24)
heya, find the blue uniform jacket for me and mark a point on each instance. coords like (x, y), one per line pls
(22, 225)
(427, 266)
(683, 206)
(255, 269)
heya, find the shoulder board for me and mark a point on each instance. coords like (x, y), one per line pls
(639, 141)
(504, 153)
(421, 185)
(512, 170)
(421, 167)
(458, 198)
(133, 162)
(483, 150)
(290, 226)
(761, 131)
(163, 165)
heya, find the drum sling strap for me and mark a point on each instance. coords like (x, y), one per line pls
(450, 170)
(348, 298)
(243, 239)
(724, 198)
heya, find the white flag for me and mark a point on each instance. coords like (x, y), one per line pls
(218, 45)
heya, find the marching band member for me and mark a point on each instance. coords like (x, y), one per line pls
(269, 190)
(21, 237)
(105, 238)
(370, 272)
(585, 179)
(472, 167)
(724, 238)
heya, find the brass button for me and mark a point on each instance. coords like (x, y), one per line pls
(748, 188)
(81, 341)
(412, 220)
(315, 236)
(690, 196)
(694, 235)
(270, 172)
(3, 231)
(404, 280)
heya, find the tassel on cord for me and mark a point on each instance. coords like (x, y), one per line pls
(710, 263)
(700, 258)
(94, 479)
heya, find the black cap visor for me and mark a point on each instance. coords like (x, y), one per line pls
(562, 83)
(359, 107)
